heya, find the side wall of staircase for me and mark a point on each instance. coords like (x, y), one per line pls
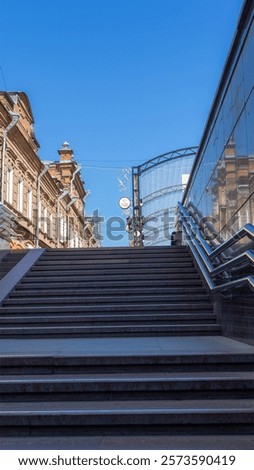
(236, 316)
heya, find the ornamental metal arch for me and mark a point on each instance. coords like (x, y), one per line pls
(158, 185)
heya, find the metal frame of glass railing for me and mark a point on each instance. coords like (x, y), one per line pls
(217, 272)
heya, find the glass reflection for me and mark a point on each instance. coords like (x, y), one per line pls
(223, 185)
(161, 187)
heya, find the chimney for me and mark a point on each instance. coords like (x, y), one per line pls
(66, 153)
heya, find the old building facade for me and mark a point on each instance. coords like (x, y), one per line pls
(41, 202)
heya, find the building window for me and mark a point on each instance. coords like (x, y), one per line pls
(71, 235)
(45, 224)
(243, 217)
(76, 240)
(30, 204)
(20, 195)
(62, 230)
(51, 225)
(39, 215)
(10, 185)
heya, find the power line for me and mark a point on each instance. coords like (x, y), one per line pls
(105, 167)
(110, 161)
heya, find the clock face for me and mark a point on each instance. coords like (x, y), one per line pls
(124, 203)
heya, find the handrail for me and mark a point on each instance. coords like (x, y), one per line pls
(244, 281)
(194, 228)
(247, 256)
(217, 272)
(247, 229)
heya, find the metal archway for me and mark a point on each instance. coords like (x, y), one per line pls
(158, 184)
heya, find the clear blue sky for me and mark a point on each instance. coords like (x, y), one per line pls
(121, 80)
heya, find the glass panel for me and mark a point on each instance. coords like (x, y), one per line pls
(248, 63)
(161, 187)
(250, 125)
(223, 186)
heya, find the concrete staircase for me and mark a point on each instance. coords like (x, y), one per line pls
(120, 342)
(110, 292)
(9, 261)
(127, 394)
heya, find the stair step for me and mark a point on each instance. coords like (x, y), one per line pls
(7, 265)
(9, 261)
(98, 299)
(169, 416)
(157, 250)
(170, 285)
(117, 291)
(117, 314)
(131, 406)
(155, 308)
(127, 386)
(85, 277)
(115, 261)
(142, 380)
(85, 359)
(103, 269)
(107, 319)
(131, 255)
(112, 331)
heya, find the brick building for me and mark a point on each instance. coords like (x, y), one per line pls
(41, 202)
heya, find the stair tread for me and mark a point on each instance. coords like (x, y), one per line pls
(85, 291)
(87, 287)
(141, 442)
(102, 249)
(56, 359)
(128, 259)
(149, 305)
(173, 279)
(130, 377)
(245, 405)
(133, 271)
(110, 327)
(106, 316)
(99, 299)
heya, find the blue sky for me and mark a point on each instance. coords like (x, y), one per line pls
(121, 80)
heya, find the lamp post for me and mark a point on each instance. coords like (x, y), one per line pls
(137, 212)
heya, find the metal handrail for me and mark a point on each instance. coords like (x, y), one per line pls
(205, 255)
(247, 256)
(246, 230)
(194, 229)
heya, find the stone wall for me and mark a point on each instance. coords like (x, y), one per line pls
(236, 317)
